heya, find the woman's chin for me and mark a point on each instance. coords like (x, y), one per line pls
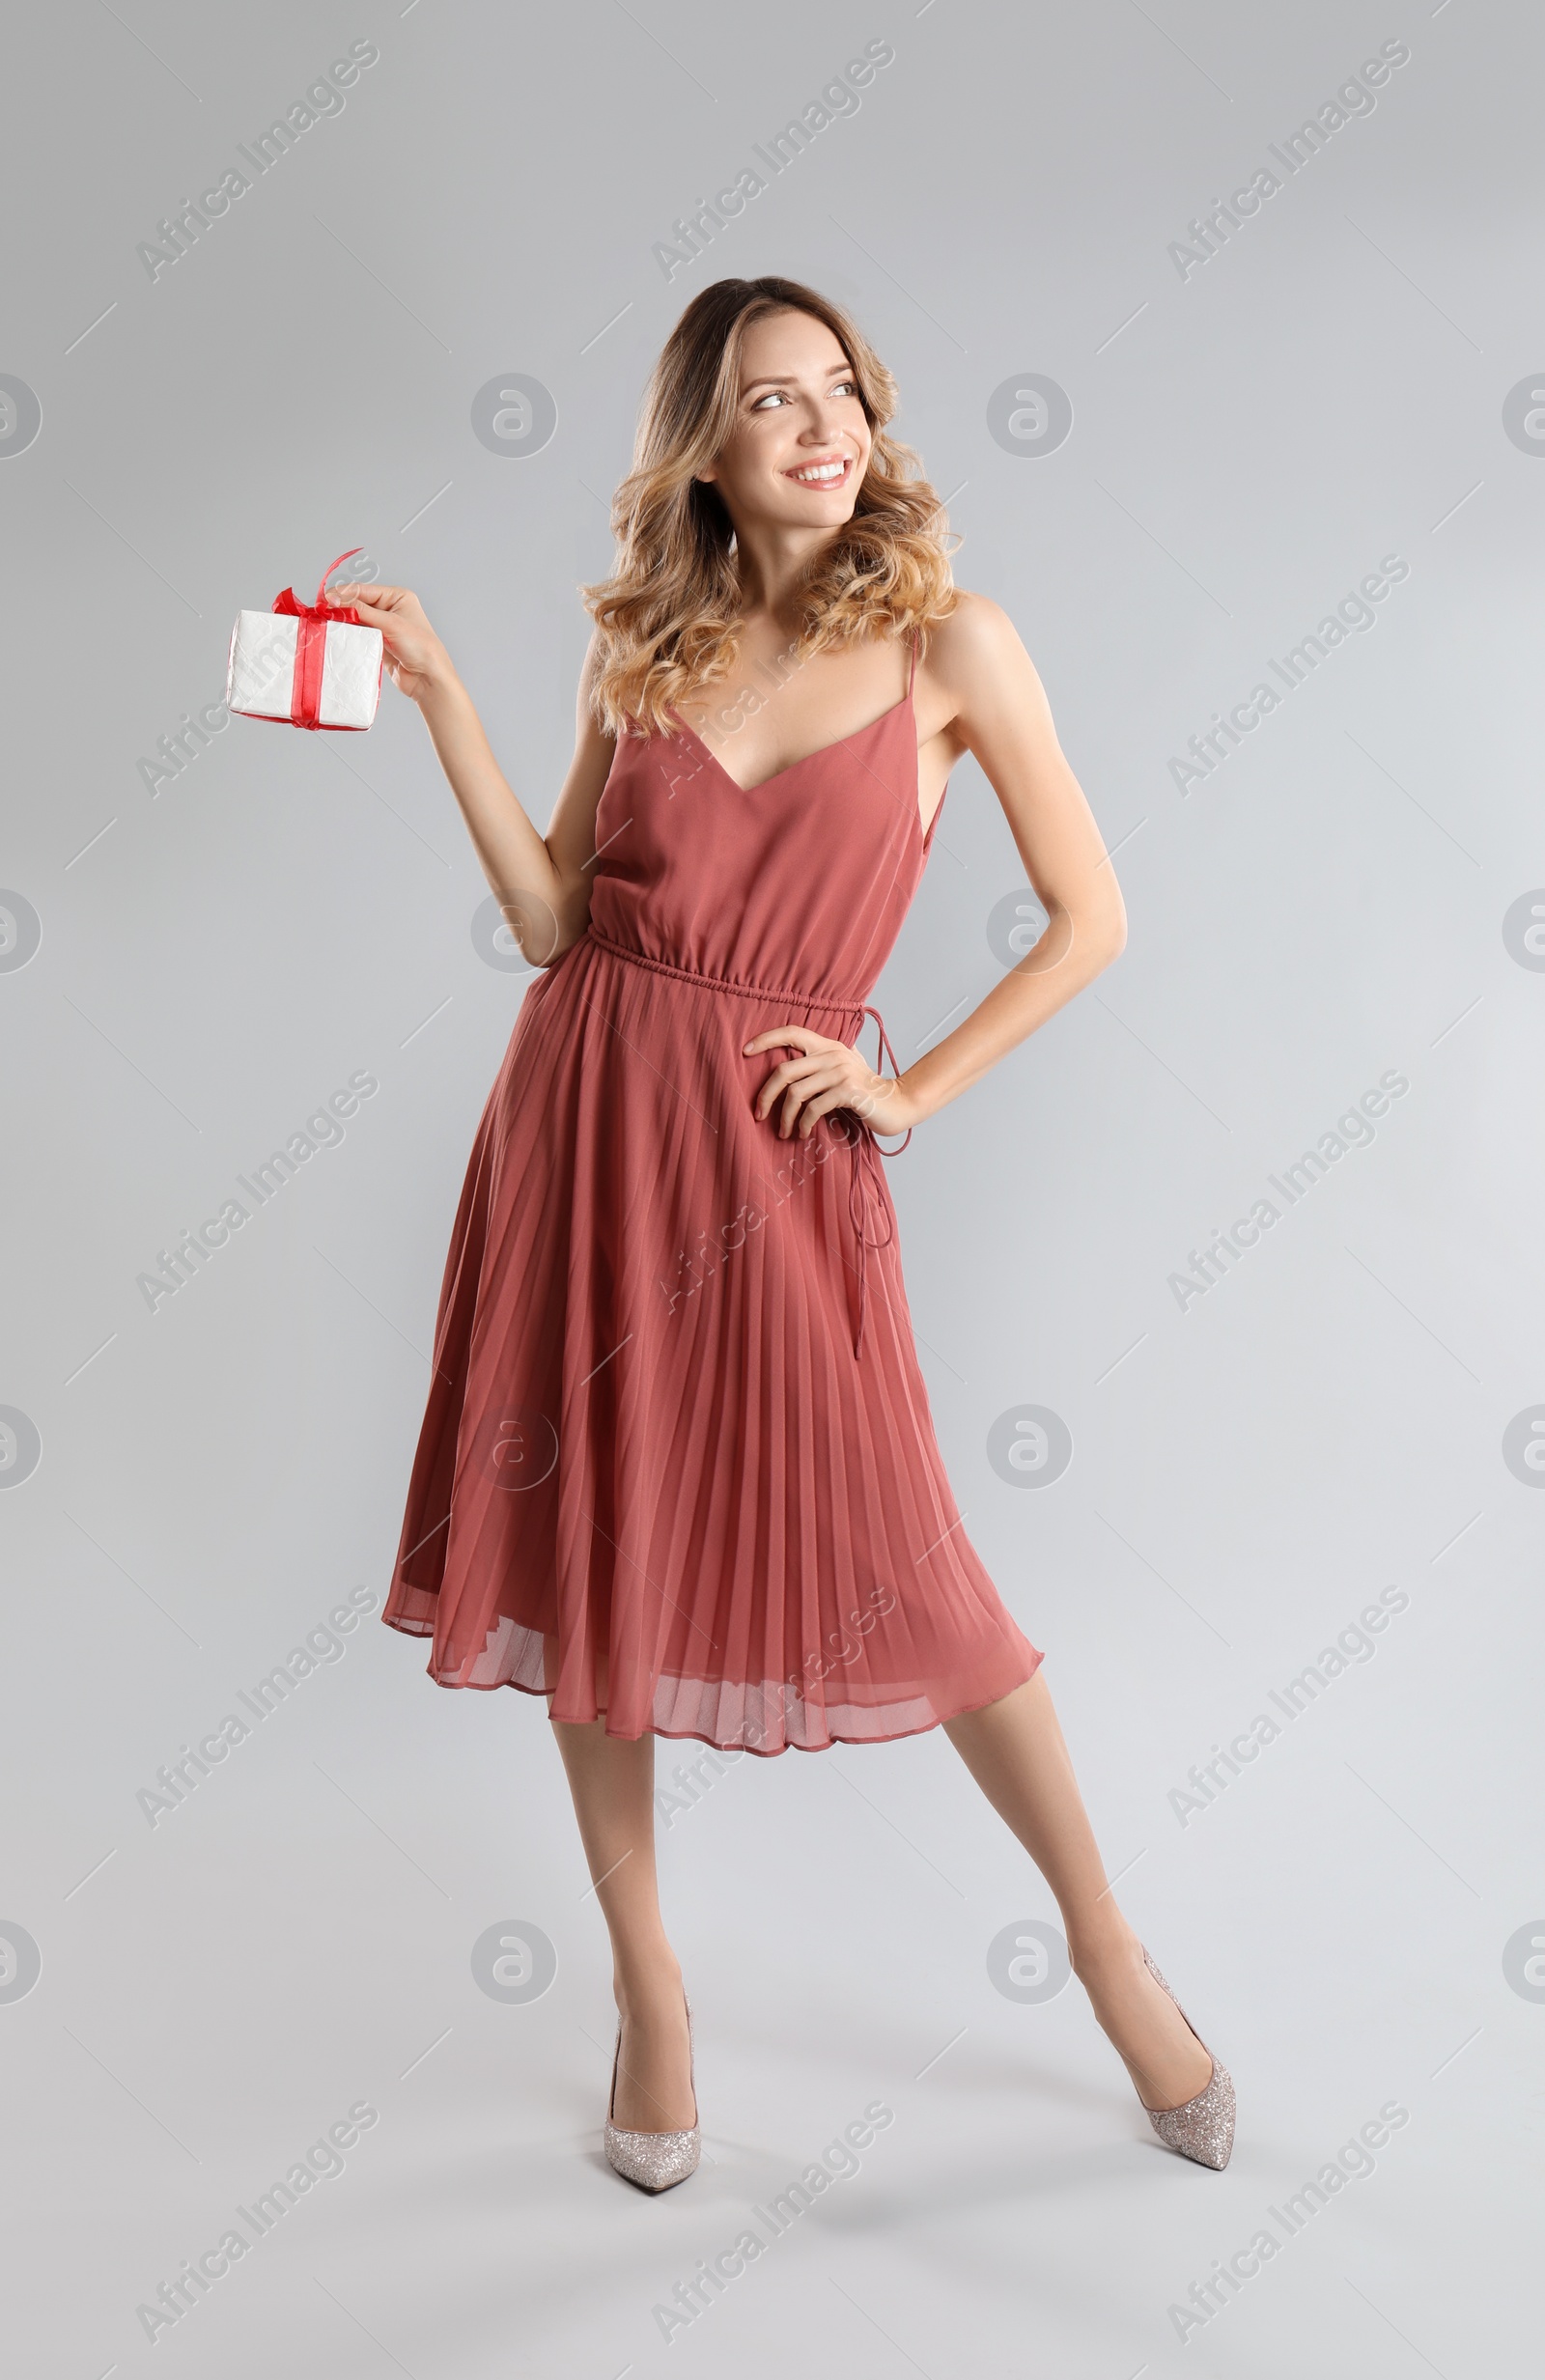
(826, 509)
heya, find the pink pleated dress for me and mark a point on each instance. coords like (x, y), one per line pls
(678, 1468)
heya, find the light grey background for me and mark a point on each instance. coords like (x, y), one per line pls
(1247, 442)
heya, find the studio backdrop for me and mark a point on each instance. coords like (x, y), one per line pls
(1219, 332)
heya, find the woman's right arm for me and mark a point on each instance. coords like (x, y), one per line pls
(542, 884)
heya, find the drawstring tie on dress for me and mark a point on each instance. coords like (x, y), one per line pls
(866, 1155)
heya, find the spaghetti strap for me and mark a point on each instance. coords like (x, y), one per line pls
(913, 670)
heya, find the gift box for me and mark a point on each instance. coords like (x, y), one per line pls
(308, 664)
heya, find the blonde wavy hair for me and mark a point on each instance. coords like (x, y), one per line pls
(668, 617)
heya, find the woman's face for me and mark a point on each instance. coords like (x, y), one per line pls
(800, 443)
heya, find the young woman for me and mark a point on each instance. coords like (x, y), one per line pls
(678, 1471)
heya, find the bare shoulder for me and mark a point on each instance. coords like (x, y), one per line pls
(976, 631)
(976, 658)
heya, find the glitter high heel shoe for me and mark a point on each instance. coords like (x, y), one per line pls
(1202, 2128)
(654, 2160)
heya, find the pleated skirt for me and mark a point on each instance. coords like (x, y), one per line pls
(678, 1469)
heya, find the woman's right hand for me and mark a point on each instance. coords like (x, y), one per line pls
(416, 660)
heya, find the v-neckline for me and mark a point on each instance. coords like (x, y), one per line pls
(836, 745)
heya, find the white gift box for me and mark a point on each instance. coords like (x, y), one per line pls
(311, 665)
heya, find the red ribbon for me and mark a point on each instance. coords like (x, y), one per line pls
(311, 641)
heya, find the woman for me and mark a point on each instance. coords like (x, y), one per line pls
(678, 1472)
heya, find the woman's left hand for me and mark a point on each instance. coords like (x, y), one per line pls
(822, 1076)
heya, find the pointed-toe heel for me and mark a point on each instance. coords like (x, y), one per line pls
(1202, 2128)
(653, 2161)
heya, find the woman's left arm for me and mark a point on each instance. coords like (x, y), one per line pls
(983, 686)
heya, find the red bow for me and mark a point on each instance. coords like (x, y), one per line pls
(311, 641)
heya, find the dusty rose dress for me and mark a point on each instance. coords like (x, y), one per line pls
(678, 1465)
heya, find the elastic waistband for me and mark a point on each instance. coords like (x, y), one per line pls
(866, 1152)
(853, 1003)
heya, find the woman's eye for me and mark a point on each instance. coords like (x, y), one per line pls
(775, 396)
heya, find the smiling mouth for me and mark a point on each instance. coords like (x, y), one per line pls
(834, 472)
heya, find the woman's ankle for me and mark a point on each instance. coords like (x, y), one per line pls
(1104, 1943)
(647, 1982)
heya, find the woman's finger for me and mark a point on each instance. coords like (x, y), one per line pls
(370, 598)
(808, 1101)
(788, 1037)
(809, 1085)
(792, 1067)
(822, 1103)
(793, 1070)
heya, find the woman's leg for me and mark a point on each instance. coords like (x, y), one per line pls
(1015, 1750)
(613, 1787)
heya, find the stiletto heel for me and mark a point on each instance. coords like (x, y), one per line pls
(654, 2160)
(1202, 2128)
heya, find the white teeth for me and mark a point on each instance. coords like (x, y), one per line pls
(819, 471)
